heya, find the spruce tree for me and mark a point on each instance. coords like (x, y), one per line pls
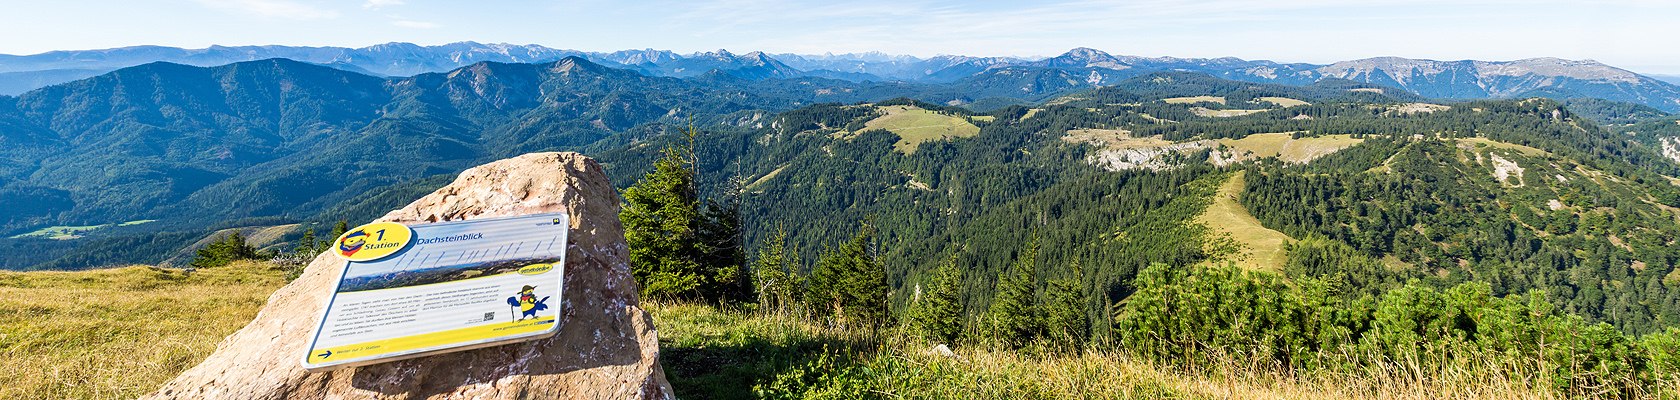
(725, 257)
(1065, 307)
(679, 249)
(849, 285)
(225, 251)
(1014, 314)
(661, 219)
(937, 314)
(306, 245)
(776, 271)
(327, 243)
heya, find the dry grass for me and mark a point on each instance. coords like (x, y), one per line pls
(1288, 149)
(1284, 102)
(1206, 112)
(712, 353)
(68, 232)
(1473, 143)
(1031, 112)
(1154, 119)
(1194, 100)
(1122, 151)
(1099, 374)
(915, 125)
(118, 333)
(1260, 248)
(766, 178)
(1308, 149)
(1414, 108)
(270, 235)
(1112, 139)
(61, 232)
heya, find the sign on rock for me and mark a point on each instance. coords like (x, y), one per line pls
(408, 292)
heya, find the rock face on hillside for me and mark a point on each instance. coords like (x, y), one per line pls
(607, 346)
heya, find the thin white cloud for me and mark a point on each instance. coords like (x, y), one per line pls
(376, 4)
(272, 8)
(415, 24)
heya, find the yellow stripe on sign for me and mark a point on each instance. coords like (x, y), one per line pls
(391, 346)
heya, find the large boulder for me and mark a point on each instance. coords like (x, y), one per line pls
(607, 346)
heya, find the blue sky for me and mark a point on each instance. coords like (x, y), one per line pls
(1633, 34)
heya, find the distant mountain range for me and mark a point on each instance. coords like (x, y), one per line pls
(1467, 79)
(265, 137)
(200, 148)
(282, 140)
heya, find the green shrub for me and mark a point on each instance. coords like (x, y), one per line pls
(225, 251)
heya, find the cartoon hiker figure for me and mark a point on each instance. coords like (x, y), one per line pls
(528, 303)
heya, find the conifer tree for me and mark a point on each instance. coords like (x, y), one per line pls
(225, 251)
(937, 314)
(326, 243)
(723, 249)
(679, 249)
(661, 220)
(1065, 306)
(306, 245)
(849, 285)
(339, 229)
(776, 272)
(1014, 315)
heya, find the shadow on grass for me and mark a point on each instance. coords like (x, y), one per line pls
(731, 371)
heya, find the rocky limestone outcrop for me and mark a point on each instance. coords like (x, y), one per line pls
(1670, 146)
(607, 347)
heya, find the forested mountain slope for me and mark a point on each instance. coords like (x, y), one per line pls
(1520, 194)
(191, 147)
(1388, 187)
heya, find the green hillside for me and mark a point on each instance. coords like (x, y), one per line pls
(980, 197)
(277, 141)
(1429, 248)
(1461, 238)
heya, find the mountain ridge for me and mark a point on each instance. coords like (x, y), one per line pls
(264, 141)
(1459, 79)
(265, 133)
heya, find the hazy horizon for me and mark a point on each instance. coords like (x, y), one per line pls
(1628, 34)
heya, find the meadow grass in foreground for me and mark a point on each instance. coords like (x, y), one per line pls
(712, 353)
(119, 333)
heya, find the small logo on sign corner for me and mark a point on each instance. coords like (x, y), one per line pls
(536, 269)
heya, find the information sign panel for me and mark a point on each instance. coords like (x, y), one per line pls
(407, 292)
